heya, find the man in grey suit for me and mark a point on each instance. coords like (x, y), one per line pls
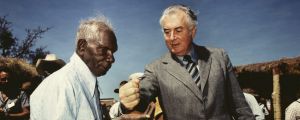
(192, 82)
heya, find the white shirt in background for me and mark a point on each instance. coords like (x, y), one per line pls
(253, 104)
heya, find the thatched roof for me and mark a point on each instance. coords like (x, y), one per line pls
(286, 66)
(20, 69)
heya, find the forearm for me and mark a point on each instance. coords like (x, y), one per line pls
(25, 112)
(22, 114)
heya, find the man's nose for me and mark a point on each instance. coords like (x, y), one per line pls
(173, 35)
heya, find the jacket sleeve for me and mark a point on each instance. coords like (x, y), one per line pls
(148, 87)
(239, 108)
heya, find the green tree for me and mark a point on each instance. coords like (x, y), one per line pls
(10, 46)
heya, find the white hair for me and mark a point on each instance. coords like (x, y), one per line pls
(90, 29)
(190, 14)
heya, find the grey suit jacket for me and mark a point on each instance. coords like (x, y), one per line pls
(181, 99)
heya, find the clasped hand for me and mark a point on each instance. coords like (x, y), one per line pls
(130, 94)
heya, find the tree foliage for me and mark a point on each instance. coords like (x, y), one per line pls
(10, 46)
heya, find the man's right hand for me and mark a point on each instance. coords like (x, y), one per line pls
(129, 94)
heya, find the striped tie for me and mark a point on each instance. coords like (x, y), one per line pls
(192, 69)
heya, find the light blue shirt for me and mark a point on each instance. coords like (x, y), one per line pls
(193, 55)
(68, 94)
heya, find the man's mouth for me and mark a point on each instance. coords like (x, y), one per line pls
(107, 67)
(174, 45)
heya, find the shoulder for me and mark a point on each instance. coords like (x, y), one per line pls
(249, 97)
(294, 105)
(210, 51)
(162, 59)
(215, 54)
(57, 83)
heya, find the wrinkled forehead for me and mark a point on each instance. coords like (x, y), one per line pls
(108, 39)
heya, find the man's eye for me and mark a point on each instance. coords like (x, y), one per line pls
(104, 50)
(179, 30)
(167, 32)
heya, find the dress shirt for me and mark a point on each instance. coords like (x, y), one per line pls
(292, 112)
(68, 94)
(191, 53)
(253, 104)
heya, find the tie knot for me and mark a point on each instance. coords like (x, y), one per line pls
(187, 58)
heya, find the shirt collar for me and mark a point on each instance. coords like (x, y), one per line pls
(191, 53)
(86, 76)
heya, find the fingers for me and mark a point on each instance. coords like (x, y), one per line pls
(132, 97)
(134, 117)
(150, 108)
(132, 104)
(129, 94)
(131, 88)
(135, 82)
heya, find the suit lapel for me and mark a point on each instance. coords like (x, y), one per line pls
(180, 73)
(204, 72)
(204, 63)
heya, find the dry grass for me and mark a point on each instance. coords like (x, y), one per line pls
(20, 69)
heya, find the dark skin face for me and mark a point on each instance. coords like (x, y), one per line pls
(3, 77)
(98, 54)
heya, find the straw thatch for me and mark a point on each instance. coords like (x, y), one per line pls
(20, 69)
(259, 76)
(286, 66)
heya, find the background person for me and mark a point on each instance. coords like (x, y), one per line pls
(114, 110)
(256, 110)
(14, 103)
(49, 65)
(292, 112)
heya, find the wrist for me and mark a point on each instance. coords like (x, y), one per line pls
(123, 109)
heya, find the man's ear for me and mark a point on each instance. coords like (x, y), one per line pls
(81, 46)
(194, 30)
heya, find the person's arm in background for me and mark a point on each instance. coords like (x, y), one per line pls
(25, 112)
(25, 107)
(114, 111)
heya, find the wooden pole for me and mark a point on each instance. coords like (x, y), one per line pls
(276, 94)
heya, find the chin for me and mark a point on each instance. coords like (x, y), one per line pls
(101, 73)
(176, 53)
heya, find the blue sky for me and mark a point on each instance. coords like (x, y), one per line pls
(249, 30)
